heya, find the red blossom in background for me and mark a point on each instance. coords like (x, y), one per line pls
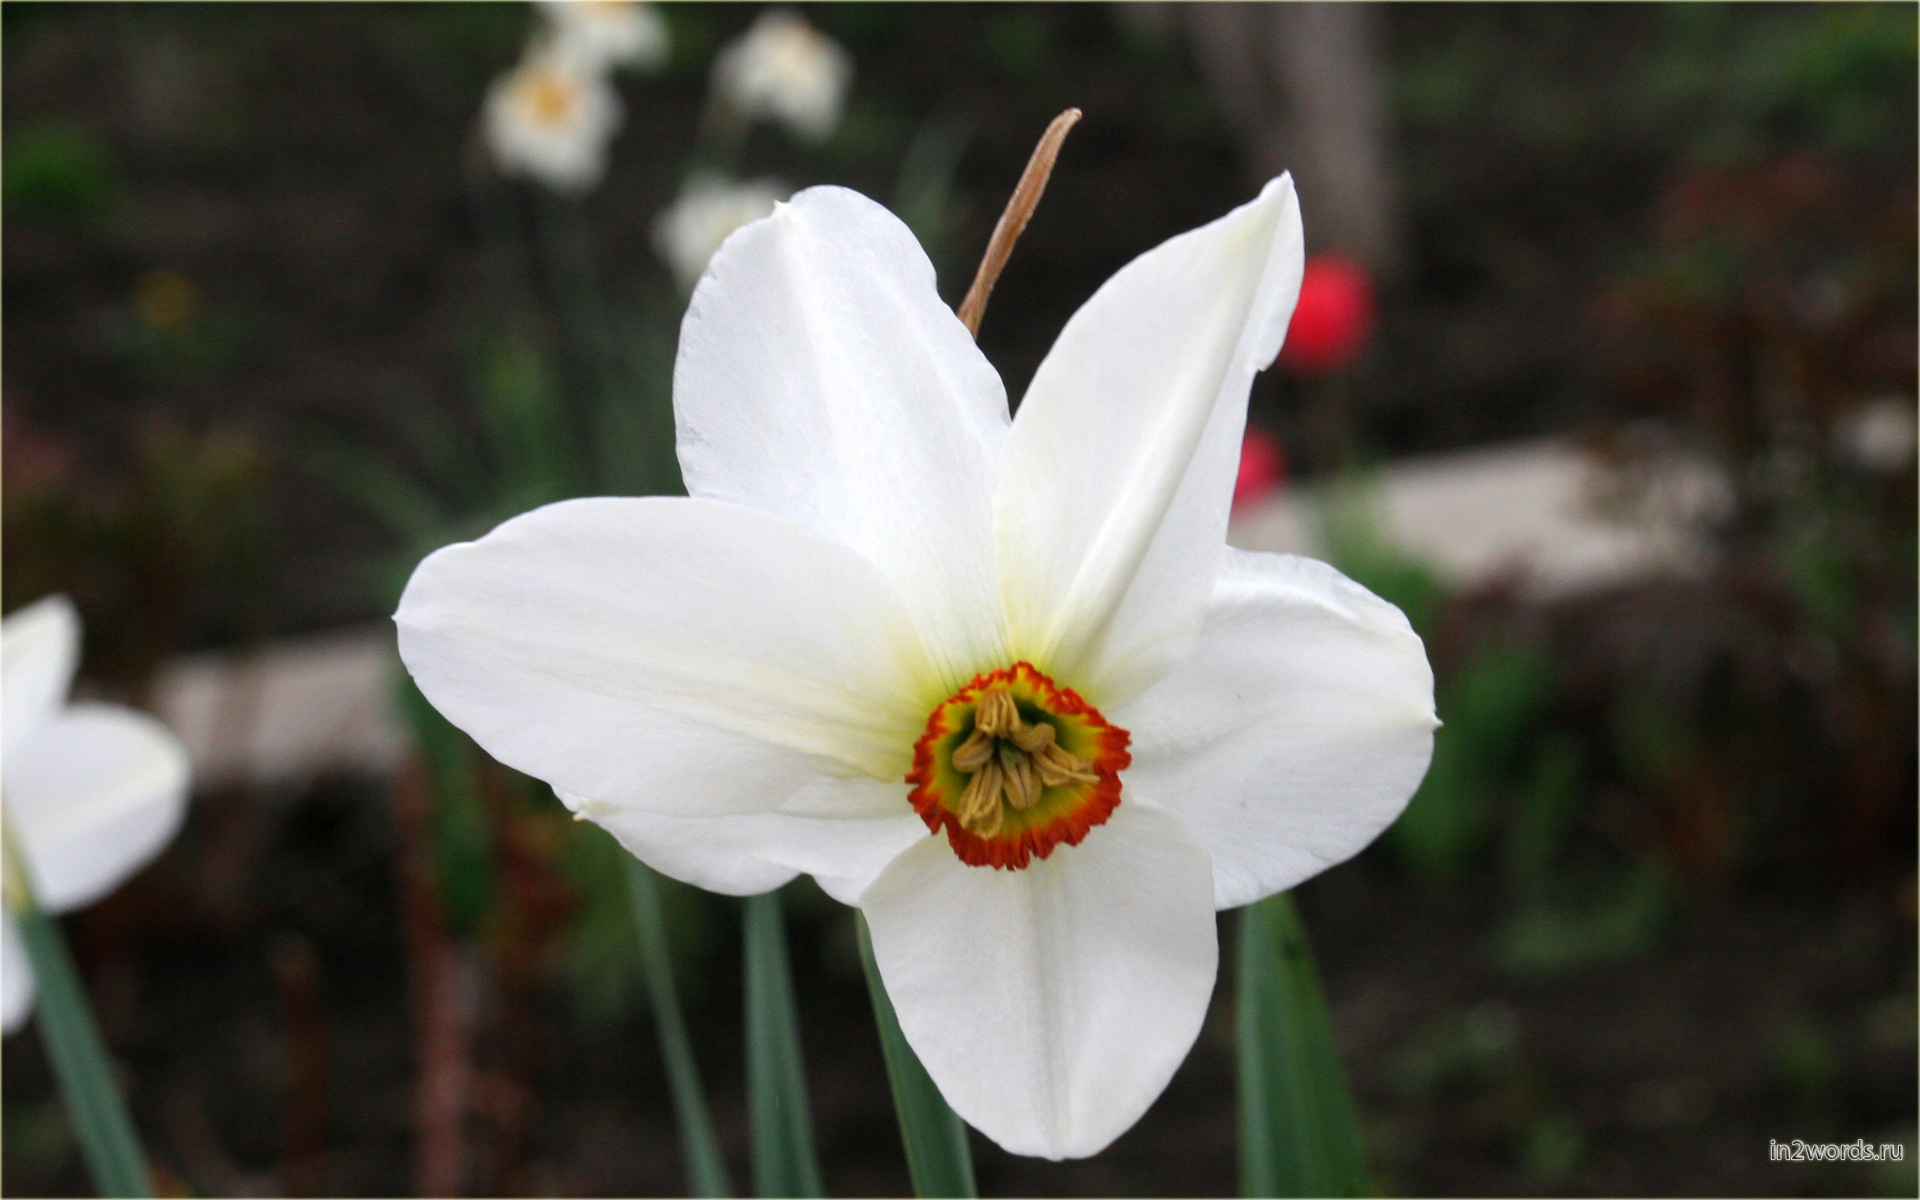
(1334, 318)
(1263, 468)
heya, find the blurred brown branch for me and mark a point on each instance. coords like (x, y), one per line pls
(297, 970)
(1305, 86)
(443, 1080)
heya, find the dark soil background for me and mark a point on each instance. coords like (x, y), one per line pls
(301, 166)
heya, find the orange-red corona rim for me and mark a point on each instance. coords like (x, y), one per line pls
(1063, 811)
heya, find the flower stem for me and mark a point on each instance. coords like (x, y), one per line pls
(1013, 221)
(938, 1157)
(1299, 1135)
(107, 1139)
(586, 332)
(784, 1162)
(706, 1170)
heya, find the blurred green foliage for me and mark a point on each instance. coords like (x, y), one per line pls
(170, 335)
(1353, 531)
(39, 1135)
(1016, 41)
(57, 171)
(171, 550)
(1555, 1145)
(1737, 81)
(1490, 709)
(450, 52)
(1708, 83)
(1807, 1064)
(463, 847)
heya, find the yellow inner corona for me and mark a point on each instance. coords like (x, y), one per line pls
(1010, 762)
(552, 100)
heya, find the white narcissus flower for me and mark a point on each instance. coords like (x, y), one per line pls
(785, 69)
(707, 211)
(551, 118)
(92, 791)
(1878, 434)
(608, 32)
(887, 609)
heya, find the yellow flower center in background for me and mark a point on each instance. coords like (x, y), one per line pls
(1012, 765)
(551, 98)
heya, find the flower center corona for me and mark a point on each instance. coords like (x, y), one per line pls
(552, 100)
(1012, 765)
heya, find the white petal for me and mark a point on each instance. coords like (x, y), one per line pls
(95, 794)
(1294, 733)
(1051, 1005)
(843, 832)
(39, 649)
(821, 378)
(1112, 503)
(681, 656)
(16, 977)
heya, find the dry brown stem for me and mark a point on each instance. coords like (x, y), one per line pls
(1013, 222)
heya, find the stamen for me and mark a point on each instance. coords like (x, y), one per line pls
(980, 803)
(978, 748)
(1034, 736)
(1023, 790)
(1011, 760)
(997, 714)
(1057, 767)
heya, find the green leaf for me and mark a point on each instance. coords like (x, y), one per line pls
(1299, 1135)
(80, 1063)
(706, 1170)
(784, 1162)
(399, 501)
(938, 1157)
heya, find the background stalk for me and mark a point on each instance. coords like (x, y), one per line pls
(94, 1105)
(1299, 1135)
(784, 1161)
(706, 1169)
(938, 1157)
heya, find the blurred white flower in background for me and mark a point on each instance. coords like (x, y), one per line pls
(608, 32)
(551, 118)
(92, 791)
(1878, 435)
(785, 69)
(709, 208)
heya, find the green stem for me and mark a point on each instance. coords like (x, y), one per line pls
(784, 1162)
(938, 1157)
(706, 1170)
(492, 206)
(575, 283)
(80, 1063)
(1299, 1135)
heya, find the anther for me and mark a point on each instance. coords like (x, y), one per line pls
(997, 714)
(980, 803)
(977, 749)
(1023, 790)
(1010, 760)
(1034, 737)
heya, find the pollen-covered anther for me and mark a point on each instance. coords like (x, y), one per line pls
(1011, 762)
